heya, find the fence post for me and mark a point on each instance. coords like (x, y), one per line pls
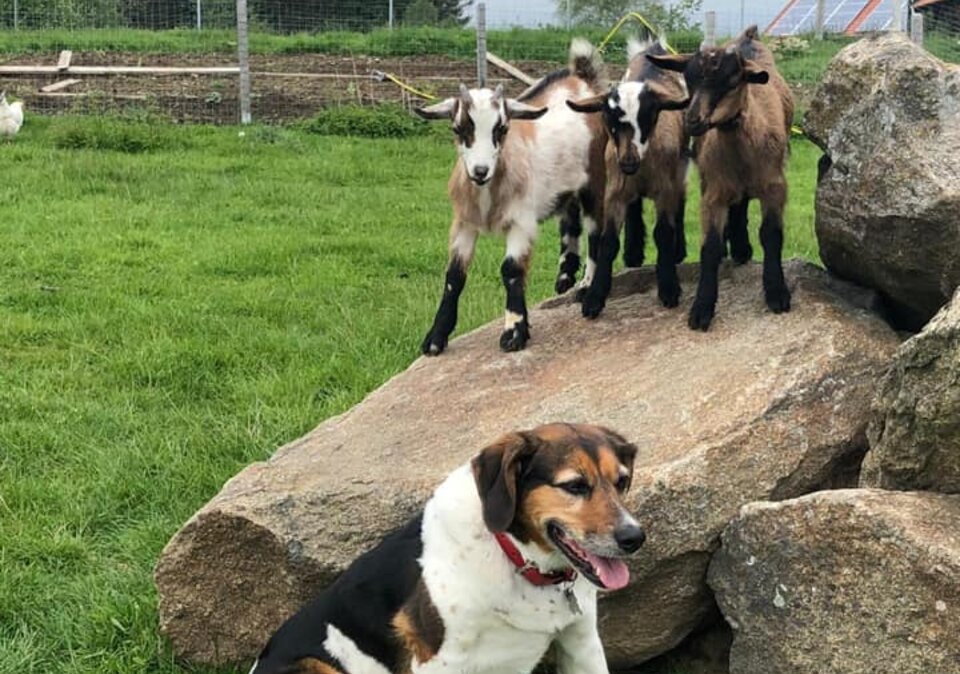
(710, 30)
(390, 15)
(896, 25)
(482, 44)
(821, 18)
(199, 15)
(243, 58)
(916, 28)
(16, 15)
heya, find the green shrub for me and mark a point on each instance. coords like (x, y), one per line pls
(384, 121)
(118, 134)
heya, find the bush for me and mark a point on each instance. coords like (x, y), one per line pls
(120, 135)
(384, 121)
(421, 13)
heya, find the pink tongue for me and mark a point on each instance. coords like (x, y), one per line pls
(613, 572)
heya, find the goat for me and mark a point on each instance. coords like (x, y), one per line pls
(11, 116)
(646, 156)
(740, 115)
(520, 161)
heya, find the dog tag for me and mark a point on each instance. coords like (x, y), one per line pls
(572, 600)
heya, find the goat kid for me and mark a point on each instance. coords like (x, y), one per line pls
(646, 156)
(520, 161)
(740, 115)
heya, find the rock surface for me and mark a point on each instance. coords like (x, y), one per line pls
(761, 407)
(887, 114)
(915, 430)
(845, 582)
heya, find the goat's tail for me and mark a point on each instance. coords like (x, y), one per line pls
(585, 60)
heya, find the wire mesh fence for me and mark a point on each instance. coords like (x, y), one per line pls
(179, 57)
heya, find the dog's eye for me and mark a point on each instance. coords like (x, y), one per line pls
(578, 487)
(622, 483)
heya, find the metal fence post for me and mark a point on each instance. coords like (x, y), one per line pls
(896, 24)
(821, 18)
(199, 15)
(482, 45)
(710, 30)
(16, 15)
(916, 28)
(390, 15)
(243, 58)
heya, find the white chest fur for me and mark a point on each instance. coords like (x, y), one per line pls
(494, 619)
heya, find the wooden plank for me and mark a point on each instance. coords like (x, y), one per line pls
(65, 56)
(513, 71)
(57, 86)
(113, 97)
(118, 70)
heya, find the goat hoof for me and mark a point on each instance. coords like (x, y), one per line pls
(680, 256)
(670, 296)
(779, 300)
(631, 259)
(581, 293)
(701, 314)
(516, 338)
(592, 306)
(741, 255)
(433, 346)
(564, 283)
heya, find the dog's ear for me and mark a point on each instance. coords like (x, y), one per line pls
(495, 470)
(626, 451)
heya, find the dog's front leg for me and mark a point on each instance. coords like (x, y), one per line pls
(579, 650)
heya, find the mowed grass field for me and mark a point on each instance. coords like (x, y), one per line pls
(175, 309)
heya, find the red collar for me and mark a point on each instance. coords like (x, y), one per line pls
(528, 569)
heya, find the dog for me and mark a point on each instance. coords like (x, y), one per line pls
(505, 559)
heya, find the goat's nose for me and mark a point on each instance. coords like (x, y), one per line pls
(480, 172)
(629, 537)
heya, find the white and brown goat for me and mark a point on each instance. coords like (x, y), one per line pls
(520, 161)
(646, 157)
(740, 115)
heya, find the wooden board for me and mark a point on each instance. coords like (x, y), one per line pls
(116, 70)
(65, 56)
(57, 86)
(510, 69)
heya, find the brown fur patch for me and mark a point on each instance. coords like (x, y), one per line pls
(419, 626)
(313, 666)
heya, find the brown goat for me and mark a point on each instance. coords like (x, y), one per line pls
(646, 156)
(740, 115)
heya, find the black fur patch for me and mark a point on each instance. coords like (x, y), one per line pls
(361, 604)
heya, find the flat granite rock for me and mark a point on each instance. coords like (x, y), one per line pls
(761, 407)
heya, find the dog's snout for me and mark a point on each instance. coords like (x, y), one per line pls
(629, 537)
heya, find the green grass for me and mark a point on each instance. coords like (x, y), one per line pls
(173, 310)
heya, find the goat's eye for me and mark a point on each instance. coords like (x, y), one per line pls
(499, 133)
(578, 487)
(622, 483)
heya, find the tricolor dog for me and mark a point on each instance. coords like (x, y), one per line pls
(505, 560)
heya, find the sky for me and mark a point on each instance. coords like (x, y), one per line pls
(502, 13)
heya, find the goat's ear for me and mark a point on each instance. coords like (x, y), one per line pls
(588, 105)
(668, 99)
(675, 62)
(518, 110)
(754, 74)
(495, 470)
(442, 110)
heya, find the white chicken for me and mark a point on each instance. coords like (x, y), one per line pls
(11, 116)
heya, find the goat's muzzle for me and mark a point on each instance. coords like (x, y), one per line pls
(630, 166)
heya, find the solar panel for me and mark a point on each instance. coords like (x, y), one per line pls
(801, 16)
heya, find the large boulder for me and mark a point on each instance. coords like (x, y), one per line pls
(887, 115)
(761, 407)
(915, 430)
(846, 582)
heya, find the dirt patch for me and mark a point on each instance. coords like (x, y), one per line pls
(286, 87)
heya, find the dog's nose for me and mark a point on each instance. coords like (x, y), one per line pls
(629, 537)
(481, 172)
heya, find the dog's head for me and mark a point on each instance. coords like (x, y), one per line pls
(561, 487)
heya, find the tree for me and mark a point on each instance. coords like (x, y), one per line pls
(666, 15)
(421, 13)
(454, 11)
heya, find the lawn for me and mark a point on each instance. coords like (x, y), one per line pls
(179, 306)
